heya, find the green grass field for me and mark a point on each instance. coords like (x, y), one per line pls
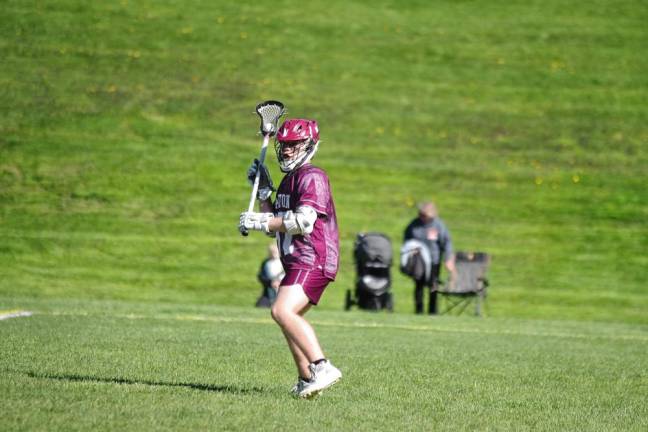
(126, 129)
(144, 366)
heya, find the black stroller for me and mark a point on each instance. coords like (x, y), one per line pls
(373, 258)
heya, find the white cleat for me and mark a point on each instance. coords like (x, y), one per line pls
(298, 387)
(324, 375)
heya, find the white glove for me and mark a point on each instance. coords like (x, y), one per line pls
(265, 182)
(255, 221)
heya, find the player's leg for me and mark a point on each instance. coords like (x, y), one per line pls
(287, 311)
(287, 305)
(302, 364)
(301, 289)
(301, 361)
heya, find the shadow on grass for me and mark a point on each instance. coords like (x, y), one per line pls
(193, 386)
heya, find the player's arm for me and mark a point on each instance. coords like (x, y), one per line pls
(299, 222)
(265, 205)
(275, 223)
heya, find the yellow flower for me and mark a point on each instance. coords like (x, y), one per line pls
(557, 65)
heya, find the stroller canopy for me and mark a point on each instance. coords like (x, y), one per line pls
(373, 250)
(373, 258)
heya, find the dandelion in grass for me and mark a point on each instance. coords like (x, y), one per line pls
(557, 65)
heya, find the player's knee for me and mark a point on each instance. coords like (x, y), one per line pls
(277, 313)
(281, 313)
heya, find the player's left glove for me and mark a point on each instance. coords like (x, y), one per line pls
(265, 182)
(255, 221)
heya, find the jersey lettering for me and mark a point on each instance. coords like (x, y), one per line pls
(282, 201)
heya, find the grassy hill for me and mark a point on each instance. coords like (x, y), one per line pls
(126, 129)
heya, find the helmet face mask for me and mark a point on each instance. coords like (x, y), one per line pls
(293, 154)
(296, 143)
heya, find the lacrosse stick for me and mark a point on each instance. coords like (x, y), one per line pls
(270, 112)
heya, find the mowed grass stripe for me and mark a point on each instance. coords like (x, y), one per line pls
(360, 325)
(14, 313)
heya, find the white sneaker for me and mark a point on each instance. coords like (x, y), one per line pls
(298, 387)
(323, 376)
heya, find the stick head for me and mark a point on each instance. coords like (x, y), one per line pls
(270, 112)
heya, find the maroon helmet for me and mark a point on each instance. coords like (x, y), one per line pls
(300, 134)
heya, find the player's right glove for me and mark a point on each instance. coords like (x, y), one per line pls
(265, 182)
(255, 221)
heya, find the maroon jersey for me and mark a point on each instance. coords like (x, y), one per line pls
(309, 186)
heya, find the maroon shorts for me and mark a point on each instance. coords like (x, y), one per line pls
(312, 281)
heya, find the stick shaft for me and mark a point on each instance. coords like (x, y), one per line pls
(255, 186)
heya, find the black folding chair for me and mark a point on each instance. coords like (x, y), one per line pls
(470, 285)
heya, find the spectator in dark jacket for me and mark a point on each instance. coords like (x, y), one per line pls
(429, 229)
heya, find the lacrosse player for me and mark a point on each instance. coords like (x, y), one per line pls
(303, 220)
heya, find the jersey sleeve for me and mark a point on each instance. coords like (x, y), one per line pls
(314, 191)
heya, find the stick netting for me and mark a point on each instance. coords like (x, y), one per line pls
(270, 112)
